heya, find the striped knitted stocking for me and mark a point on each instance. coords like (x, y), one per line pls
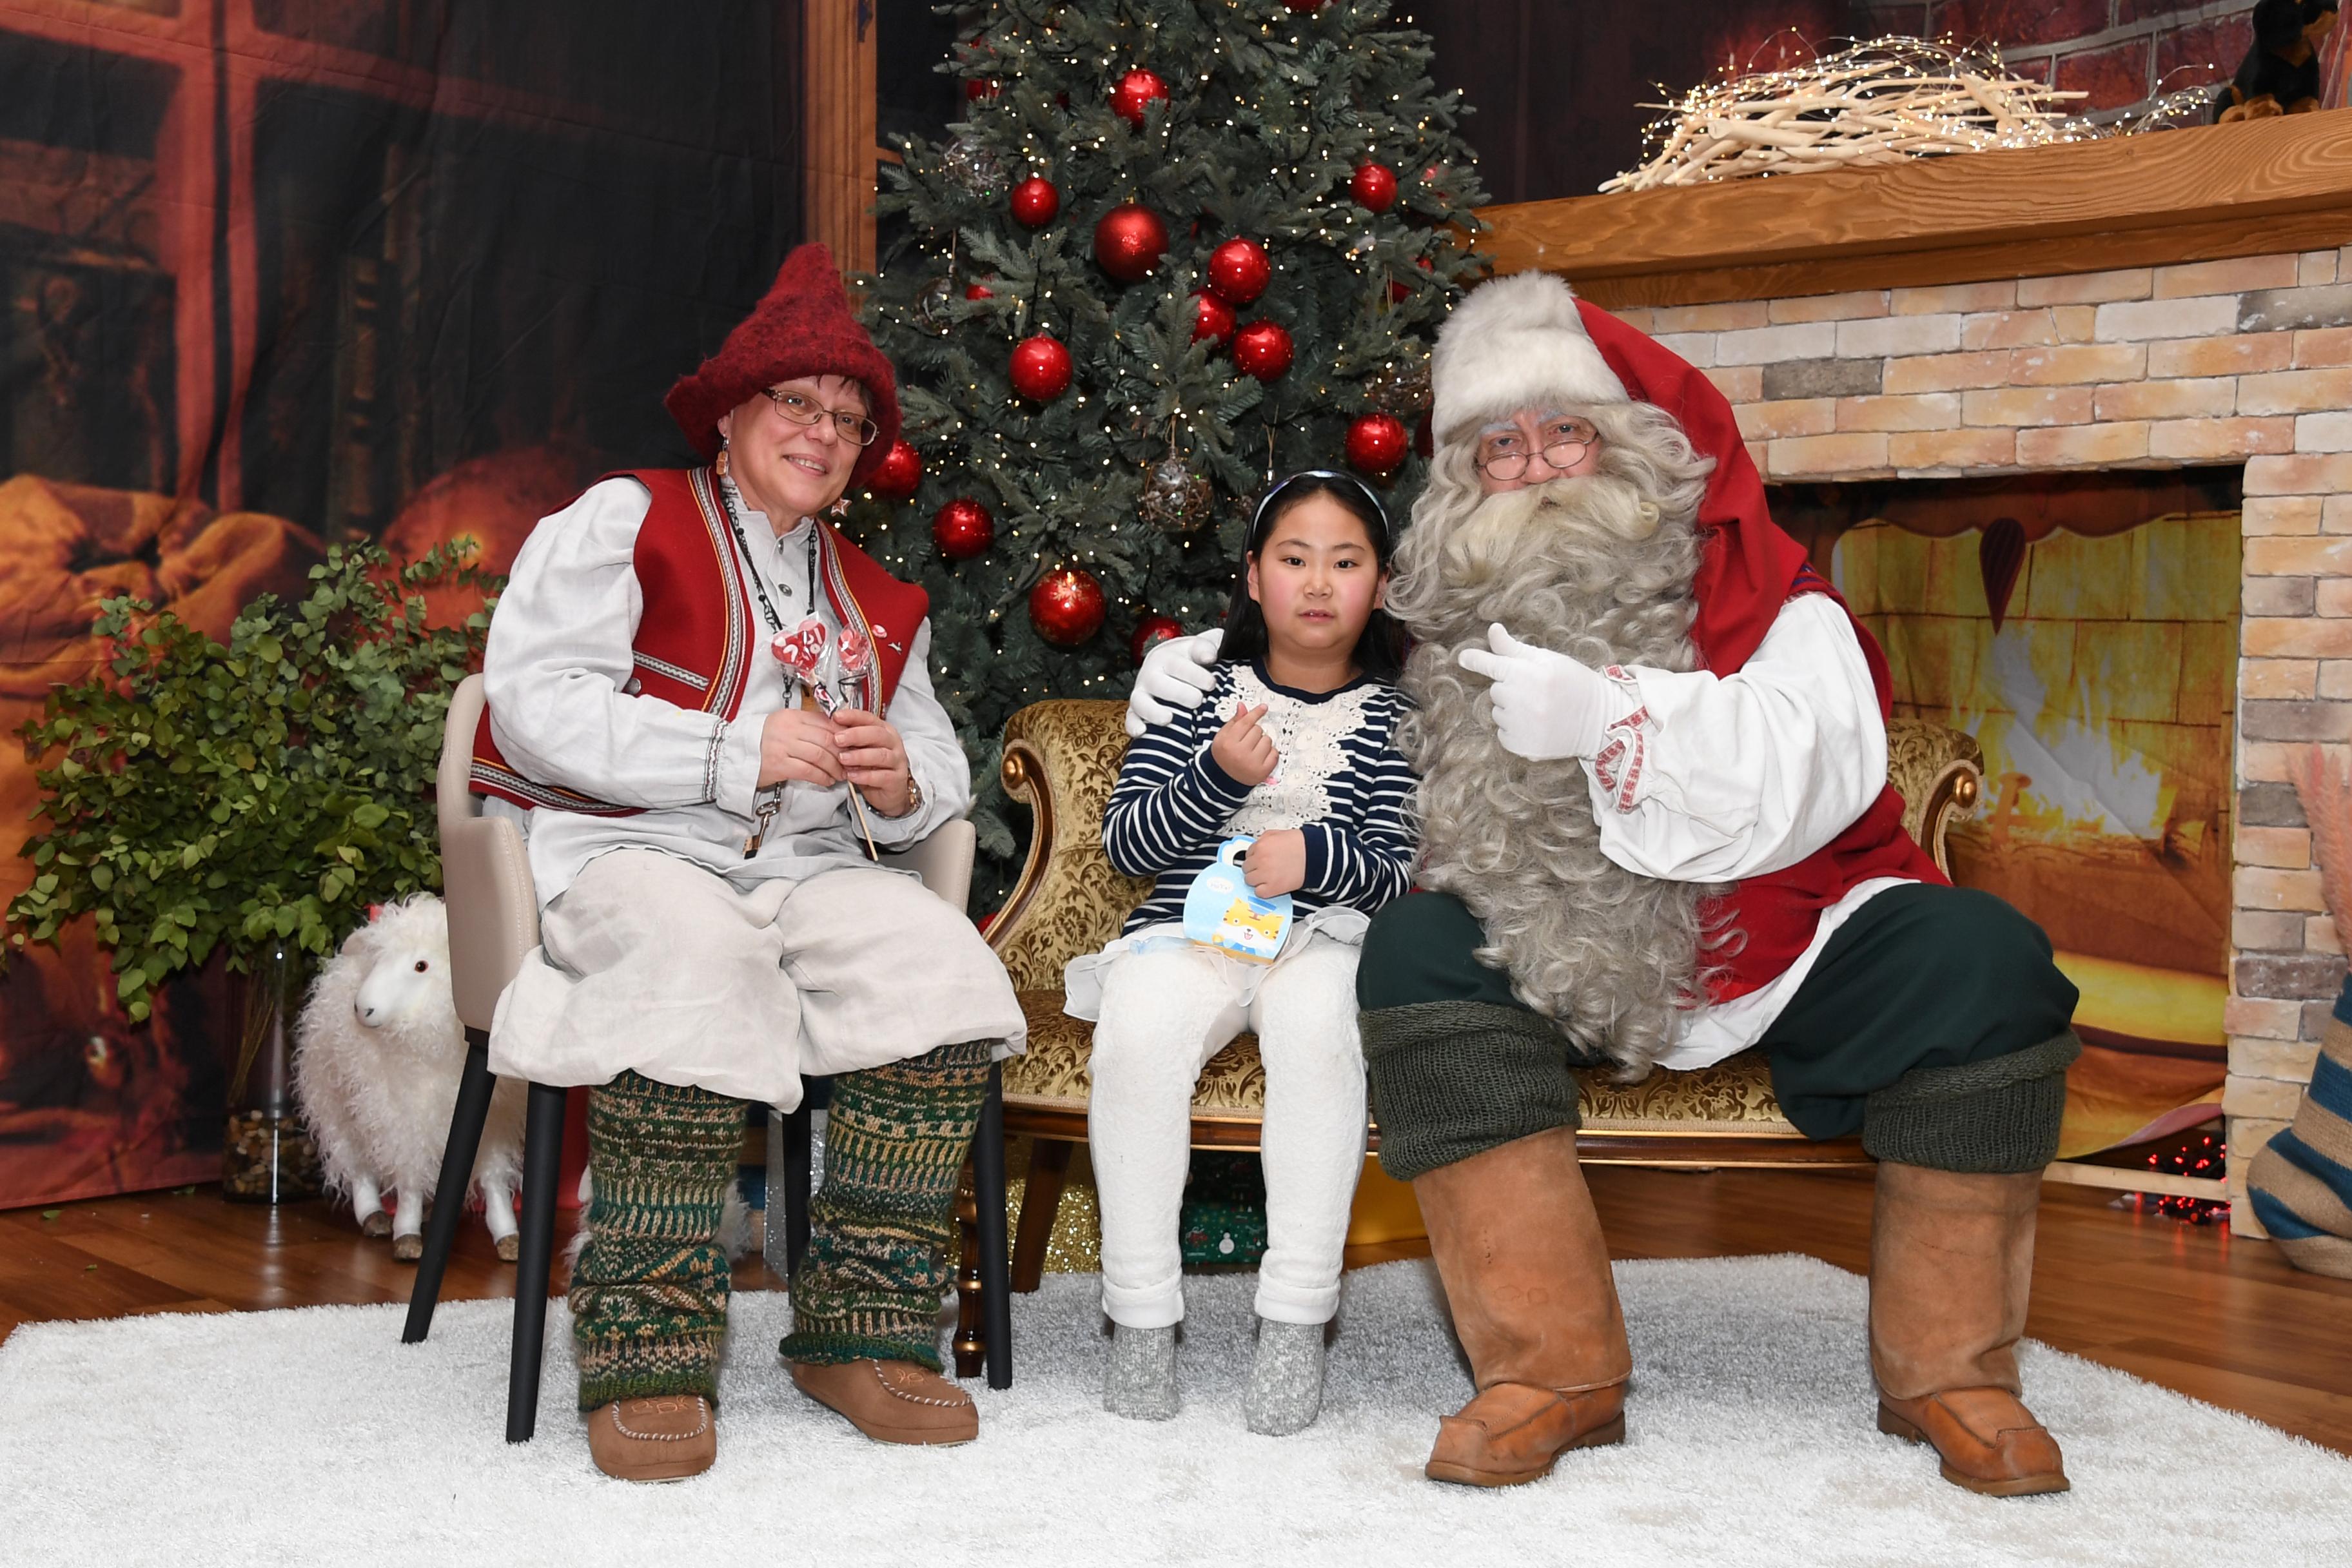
(2301, 1183)
(649, 1292)
(877, 1260)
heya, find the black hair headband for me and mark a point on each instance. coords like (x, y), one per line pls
(1361, 488)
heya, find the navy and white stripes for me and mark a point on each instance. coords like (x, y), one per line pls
(1340, 782)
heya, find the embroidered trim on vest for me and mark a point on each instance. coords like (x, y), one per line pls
(677, 672)
(734, 661)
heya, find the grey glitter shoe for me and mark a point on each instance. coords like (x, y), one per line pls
(1139, 1377)
(1285, 1387)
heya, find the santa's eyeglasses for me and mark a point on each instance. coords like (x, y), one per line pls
(801, 409)
(1505, 455)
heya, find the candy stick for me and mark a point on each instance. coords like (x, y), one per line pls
(802, 651)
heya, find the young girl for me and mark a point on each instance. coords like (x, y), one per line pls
(1292, 750)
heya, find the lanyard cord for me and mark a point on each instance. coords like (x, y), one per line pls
(750, 567)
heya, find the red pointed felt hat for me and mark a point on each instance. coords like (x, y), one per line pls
(803, 327)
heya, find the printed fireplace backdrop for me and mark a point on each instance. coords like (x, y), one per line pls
(278, 273)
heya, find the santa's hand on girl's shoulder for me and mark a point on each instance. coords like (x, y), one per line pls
(1244, 749)
(1176, 674)
(1547, 705)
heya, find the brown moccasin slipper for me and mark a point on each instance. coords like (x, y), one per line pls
(664, 1439)
(892, 1401)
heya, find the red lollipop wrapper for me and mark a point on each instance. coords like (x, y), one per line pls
(856, 658)
(802, 653)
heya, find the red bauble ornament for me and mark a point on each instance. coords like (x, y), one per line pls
(1262, 349)
(978, 291)
(1239, 271)
(1152, 629)
(1134, 90)
(1375, 187)
(1129, 241)
(1303, 7)
(1040, 369)
(1213, 317)
(1067, 606)
(900, 471)
(976, 88)
(1377, 443)
(1035, 201)
(962, 528)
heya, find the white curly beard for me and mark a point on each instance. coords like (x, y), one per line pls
(1588, 567)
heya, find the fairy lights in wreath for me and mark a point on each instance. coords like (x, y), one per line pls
(1878, 101)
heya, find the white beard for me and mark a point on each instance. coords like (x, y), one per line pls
(1588, 567)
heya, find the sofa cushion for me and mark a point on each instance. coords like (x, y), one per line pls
(1733, 1096)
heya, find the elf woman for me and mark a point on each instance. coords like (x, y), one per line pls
(1293, 753)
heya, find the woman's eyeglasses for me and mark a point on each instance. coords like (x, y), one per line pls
(801, 409)
(1505, 455)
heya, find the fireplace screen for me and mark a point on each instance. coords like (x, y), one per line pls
(2083, 630)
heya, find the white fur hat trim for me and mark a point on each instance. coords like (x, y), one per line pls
(1516, 343)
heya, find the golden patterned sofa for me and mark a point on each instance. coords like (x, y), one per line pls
(1061, 759)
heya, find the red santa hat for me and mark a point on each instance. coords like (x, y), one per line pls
(803, 327)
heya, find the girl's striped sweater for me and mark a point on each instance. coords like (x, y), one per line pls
(1340, 780)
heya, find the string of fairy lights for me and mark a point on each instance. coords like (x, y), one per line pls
(996, 148)
(1876, 100)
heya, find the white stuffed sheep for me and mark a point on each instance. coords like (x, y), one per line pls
(378, 1052)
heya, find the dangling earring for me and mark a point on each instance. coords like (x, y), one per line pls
(841, 506)
(719, 463)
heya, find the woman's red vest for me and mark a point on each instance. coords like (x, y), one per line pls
(1751, 569)
(698, 635)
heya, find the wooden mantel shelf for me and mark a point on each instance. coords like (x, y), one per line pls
(2194, 195)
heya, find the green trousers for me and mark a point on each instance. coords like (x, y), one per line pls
(1934, 1024)
(649, 1292)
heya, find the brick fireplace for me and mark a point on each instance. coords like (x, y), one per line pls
(2051, 310)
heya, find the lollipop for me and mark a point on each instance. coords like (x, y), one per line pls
(802, 653)
(857, 660)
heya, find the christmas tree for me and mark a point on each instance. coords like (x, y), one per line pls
(1175, 246)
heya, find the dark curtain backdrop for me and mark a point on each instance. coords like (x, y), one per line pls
(275, 273)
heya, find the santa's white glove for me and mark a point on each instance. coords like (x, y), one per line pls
(1175, 676)
(1547, 705)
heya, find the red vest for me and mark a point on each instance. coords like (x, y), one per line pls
(1749, 570)
(699, 634)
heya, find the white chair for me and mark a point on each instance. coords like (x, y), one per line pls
(493, 925)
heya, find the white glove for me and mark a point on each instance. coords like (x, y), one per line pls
(1175, 676)
(1547, 705)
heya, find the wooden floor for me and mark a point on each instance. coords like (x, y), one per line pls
(2191, 1308)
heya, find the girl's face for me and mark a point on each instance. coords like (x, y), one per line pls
(1317, 579)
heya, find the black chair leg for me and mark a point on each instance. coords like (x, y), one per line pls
(473, 1108)
(542, 1160)
(792, 1181)
(995, 1255)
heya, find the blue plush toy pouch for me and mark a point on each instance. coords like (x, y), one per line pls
(1222, 915)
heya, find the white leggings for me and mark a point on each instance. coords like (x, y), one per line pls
(1164, 1013)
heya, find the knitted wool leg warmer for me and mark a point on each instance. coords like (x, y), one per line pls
(649, 1292)
(1999, 1115)
(878, 1259)
(1451, 1079)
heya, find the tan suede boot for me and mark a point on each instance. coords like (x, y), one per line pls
(1520, 1250)
(1951, 1260)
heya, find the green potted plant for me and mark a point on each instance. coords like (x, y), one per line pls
(253, 796)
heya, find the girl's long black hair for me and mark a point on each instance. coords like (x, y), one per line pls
(1380, 649)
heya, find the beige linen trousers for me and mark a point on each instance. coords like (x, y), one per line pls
(653, 964)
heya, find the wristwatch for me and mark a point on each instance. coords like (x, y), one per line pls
(914, 799)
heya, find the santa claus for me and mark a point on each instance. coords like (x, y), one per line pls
(1656, 831)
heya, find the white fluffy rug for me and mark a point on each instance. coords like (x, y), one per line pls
(314, 1437)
